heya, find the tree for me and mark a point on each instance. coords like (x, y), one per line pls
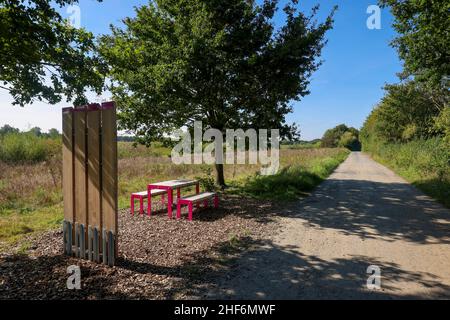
(423, 39)
(405, 113)
(53, 133)
(42, 57)
(219, 62)
(332, 136)
(35, 131)
(8, 129)
(341, 136)
(350, 141)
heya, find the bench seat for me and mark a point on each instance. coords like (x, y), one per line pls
(144, 195)
(196, 199)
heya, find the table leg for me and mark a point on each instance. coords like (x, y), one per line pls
(170, 202)
(149, 202)
(197, 190)
(132, 205)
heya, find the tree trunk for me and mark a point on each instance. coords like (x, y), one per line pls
(220, 178)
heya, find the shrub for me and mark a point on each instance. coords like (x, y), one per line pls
(424, 162)
(26, 147)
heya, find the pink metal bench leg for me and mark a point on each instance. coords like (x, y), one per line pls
(190, 211)
(178, 210)
(141, 205)
(149, 203)
(170, 202)
(216, 201)
(132, 205)
(197, 191)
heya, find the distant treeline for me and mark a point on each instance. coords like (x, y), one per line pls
(340, 136)
(36, 131)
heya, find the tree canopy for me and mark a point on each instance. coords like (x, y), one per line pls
(424, 39)
(341, 136)
(42, 57)
(406, 112)
(219, 62)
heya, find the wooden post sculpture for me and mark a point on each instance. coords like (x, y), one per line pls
(90, 182)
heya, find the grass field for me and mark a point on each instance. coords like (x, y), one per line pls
(31, 199)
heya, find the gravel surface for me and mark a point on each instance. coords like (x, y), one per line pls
(362, 215)
(158, 258)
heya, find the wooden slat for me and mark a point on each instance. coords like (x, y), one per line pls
(109, 168)
(94, 174)
(81, 216)
(67, 157)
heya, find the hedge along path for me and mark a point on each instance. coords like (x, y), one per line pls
(90, 182)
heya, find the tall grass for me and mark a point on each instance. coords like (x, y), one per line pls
(425, 163)
(27, 147)
(299, 176)
(31, 199)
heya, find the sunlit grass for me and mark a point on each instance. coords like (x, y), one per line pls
(31, 197)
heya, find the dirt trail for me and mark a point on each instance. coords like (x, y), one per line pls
(364, 214)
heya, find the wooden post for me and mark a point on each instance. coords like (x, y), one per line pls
(80, 175)
(68, 179)
(109, 169)
(94, 173)
(90, 182)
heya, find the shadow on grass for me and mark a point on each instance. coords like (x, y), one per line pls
(289, 184)
(436, 188)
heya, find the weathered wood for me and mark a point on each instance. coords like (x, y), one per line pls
(93, 165)
(67, 157)
(109, 168)
(80, 166)
(90, 182)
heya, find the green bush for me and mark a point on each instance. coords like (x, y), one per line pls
(27, 147)
(424, 162)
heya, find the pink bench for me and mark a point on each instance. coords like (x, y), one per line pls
(144, 195)
(196, 199)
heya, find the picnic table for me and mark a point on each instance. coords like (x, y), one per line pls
(169, 186)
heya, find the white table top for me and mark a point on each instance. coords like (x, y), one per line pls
(175, 183)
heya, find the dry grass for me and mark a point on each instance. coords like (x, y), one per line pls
(31, 199)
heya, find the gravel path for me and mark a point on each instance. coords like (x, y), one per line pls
(363, 215)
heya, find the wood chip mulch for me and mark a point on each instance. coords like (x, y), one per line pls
(158, 258)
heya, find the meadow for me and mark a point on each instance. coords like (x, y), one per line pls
(30, 188)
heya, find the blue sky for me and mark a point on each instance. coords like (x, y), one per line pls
(357, 63)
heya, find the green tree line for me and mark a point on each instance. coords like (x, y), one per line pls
(409, 129)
